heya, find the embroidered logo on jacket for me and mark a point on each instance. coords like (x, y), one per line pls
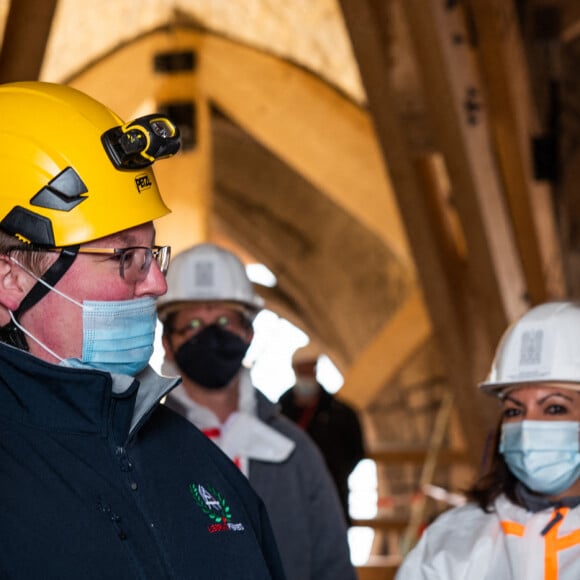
(215, 507)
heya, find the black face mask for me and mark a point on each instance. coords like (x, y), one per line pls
(212, 357)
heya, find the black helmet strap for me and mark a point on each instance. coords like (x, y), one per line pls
(11, 334)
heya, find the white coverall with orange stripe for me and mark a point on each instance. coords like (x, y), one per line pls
(510, 543)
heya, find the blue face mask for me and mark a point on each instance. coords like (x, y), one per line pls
(543, 455)
(118, 335)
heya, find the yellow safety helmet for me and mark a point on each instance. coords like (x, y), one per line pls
(71, 170)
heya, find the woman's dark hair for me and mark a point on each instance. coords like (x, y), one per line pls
(497, 480)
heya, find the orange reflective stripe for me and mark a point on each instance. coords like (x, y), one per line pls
(551, 547)
(553, 544)
(512, 528)
(572, 539)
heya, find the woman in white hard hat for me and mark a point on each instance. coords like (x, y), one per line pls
(523, 519)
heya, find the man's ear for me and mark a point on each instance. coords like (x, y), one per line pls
(15, 283)
(168, 348)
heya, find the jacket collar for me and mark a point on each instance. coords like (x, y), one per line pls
(246, 433)
(535, 502)
(46, 396)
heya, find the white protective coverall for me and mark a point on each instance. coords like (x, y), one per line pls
(510, 543)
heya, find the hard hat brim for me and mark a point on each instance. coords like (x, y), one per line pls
(499, 389)
(164, 310)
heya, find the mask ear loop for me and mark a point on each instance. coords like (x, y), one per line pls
(46, 284)
(12, 332)
(23, 330)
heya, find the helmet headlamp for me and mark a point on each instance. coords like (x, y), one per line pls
(138, 144)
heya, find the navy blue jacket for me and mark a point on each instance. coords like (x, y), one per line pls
(100, 482)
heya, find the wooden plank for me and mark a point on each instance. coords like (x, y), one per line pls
(405, 454)
(379, 568)
(25, 38)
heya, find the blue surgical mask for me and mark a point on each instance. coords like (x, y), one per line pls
(543, 455)
(118, 335)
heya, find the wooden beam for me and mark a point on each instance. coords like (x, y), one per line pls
(401, 336)
(25, 38)
(459, 325)
(455, 99)
(514, 123)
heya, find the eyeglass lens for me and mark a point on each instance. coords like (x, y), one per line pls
(136, 262)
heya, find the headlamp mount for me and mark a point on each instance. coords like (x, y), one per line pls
(141, 142)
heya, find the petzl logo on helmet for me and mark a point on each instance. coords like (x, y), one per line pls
(143, 182)
(63, 192)
(214, 506)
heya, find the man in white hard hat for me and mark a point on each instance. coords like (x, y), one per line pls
(207, 315)
(333, 425)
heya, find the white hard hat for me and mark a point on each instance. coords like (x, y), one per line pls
(542, 346)
(208, 273)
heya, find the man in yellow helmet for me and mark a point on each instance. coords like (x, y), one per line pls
(97, 480)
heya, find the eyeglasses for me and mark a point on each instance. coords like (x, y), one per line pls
(135, 261)
(233, 323)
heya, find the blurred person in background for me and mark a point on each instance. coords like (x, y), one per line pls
(207, 317)
(332, 424)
